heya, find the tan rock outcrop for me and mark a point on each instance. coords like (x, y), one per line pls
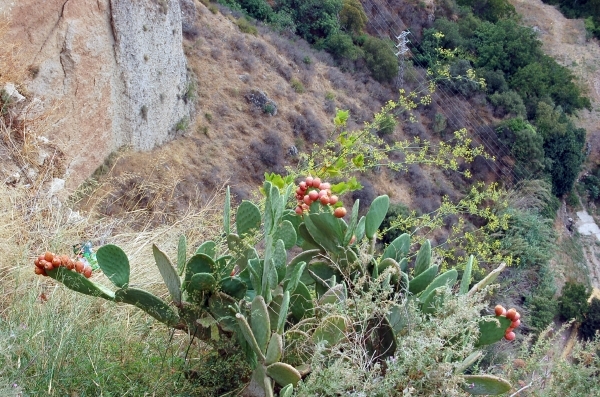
(113, 73)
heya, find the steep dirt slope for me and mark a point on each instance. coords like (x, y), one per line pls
(565, 40)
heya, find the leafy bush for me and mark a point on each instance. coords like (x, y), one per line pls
(526, 145)
(591, 324)
(573, 302)
(297, 86)
(352, 17)
(246, 27)
(490, 10)
(530, 238)
(542, 308)
(380, 58)
(508, 103)
(314, 19)
(563, 146)
(340, 45)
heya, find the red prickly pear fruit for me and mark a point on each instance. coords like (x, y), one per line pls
(307, 200)
(499, 310)
(87, 272)
(56, 262)
(39, 271)
(79, 266)
(302, 185)
(48, 266)
(333, 199)
(324, 200)
(316, 182)
(299, 210)
(325, 186)
(309, 181)
(510, 336)
(339, 212)
(510, 314)
(314, 195)
(515, 323)
(48, 256)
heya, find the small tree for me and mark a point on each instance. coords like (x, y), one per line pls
(353, 17)
(573, 302)
(380, 58)
(591, 324)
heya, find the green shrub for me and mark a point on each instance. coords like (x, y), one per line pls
(542, 309)
(508, 103)
(213, 8)
(573, 302)
(591, 324)
(340, 45)
(245, 26)
(352, 17)
(380, 59)
(439, 123)
(297, 86)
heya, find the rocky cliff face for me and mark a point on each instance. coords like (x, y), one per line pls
(112, 72)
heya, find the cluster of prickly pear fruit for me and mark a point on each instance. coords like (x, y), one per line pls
(511, 314)
(50, 261)
(311, 190)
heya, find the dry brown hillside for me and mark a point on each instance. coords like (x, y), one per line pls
(233, 141)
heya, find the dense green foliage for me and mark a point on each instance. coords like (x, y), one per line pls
(591, 324)
(490, 10)
(573, 302)
(380, 58)
(315, 19)
(522, 83)
(352, 17)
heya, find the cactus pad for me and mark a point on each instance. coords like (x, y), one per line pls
(445, 279)
(247, 218)
(326, 230)
(77, 282)
(284, 374)
(274, 350)
(485, 384)
(259, 322)
(286, 391)
(287, 233)
(492, 329)
(149, 303)
(398, 249)
(208, 248)
(301, 303)
(181, 254)
(249, 336)
(168, 273)
(421, 282)
(202, 282)
(331, 330)
(233, 287)
(376, 215)
(423, 261)
(114, 264)
(466, 278)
